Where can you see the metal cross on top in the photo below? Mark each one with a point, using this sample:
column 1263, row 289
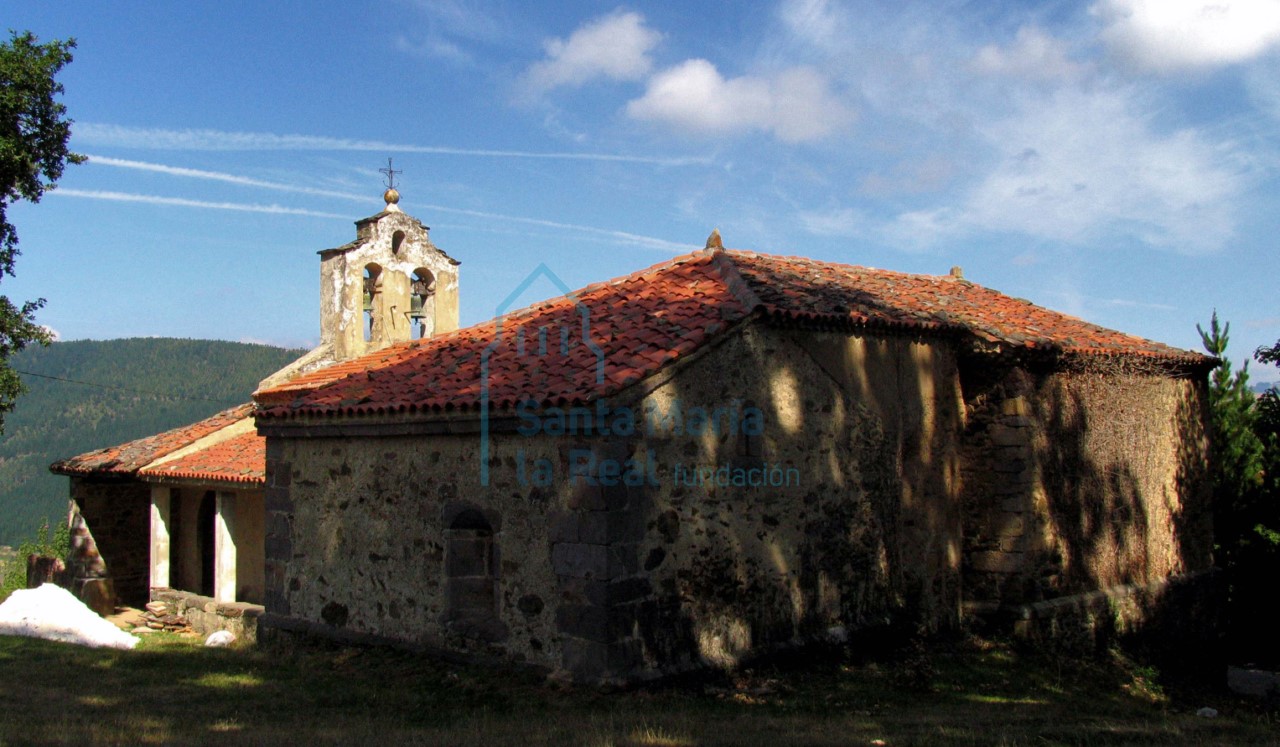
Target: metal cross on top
column 391, row 174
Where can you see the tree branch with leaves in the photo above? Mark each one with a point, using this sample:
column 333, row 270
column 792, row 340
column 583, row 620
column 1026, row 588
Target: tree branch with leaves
column 34, row 131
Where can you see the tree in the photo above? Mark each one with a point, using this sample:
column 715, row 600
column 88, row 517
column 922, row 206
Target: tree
column 33, row 152
column 1246, row 501
column 1235, row 451
column 1267, row 427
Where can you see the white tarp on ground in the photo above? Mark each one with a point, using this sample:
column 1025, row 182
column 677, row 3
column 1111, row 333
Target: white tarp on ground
column 53, row 613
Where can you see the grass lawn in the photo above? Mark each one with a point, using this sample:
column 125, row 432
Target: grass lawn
column 171, row 690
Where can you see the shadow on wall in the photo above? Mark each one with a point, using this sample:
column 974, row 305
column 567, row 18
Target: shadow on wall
column 871, row 536
column 1099, row 483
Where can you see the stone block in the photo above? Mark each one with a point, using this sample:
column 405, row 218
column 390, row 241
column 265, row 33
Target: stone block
column 281, row 475
column 615, row 496
column 1018, row 451
column 278, row 499
column 622, row 621
column 277, row 547
column 1011, row 525
column 585, row 660
column 580, row 560
column 1003, row 435
column 99, row 595
column 584, row 621
column 562, row 526
column 593, row 528
column 585, row 496
column 1014, row 406
column 995, row 562
column 626, row 657
column 1258, row 683
column 1009, row 466
column 626, row 526
column 628, row 590
column 624, row 560
column 1016, row 505
column 276, row 601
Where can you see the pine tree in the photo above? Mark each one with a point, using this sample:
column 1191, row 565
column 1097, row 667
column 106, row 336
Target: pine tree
column 1234, row 450
column 1244, row 514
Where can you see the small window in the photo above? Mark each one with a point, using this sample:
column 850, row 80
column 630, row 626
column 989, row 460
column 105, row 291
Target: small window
column 397, row 239
column 471, row 587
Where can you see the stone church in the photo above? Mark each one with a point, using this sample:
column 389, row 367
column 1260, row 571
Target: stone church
column 725, row 454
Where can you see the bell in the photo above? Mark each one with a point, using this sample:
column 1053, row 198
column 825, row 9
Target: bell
column 370, row 285
column 415, row 307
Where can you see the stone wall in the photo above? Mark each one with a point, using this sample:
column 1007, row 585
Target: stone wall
column 863, row 531
column 775, row 488
column 356, row 539
column 1082, row 480
column 118, row 514
column 621, row 556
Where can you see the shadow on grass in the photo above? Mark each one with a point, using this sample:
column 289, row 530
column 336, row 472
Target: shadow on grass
column 172, row 691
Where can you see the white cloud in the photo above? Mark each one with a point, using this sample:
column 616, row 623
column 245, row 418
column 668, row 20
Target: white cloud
column 1168, row 35
column 840, row 222
column 615, row 46
column 817, row 23
column 219, row 176
column 1082, row 304
column 617, row 237
column 1077, row 163
column 94, row 194
column 146, row 138
column 1033, row 54
column 928, row 174
column 796, row 105
column 466, row 18
column 434, row 45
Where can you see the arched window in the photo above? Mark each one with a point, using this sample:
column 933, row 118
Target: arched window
column 471, row 588
column 397, row 239
column 372, row 286
column 420, row 302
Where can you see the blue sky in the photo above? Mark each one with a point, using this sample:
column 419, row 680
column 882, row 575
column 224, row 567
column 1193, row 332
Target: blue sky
column 1116, row 160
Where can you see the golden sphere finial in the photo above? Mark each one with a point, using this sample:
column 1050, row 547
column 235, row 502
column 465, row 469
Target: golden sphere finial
column 391, row 196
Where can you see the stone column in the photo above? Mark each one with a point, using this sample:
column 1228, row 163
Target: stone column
column 224, row 548
column 160, row 503
column 90, row 581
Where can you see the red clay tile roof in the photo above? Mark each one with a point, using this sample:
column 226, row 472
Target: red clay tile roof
column 805, row 290
column 128, row 458
column 638, row 323
column 239, row 459
column 633, row 325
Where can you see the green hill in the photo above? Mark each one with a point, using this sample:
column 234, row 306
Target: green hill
column 87, row 394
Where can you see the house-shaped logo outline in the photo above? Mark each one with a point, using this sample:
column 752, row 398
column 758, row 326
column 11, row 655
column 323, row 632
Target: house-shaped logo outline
column 499, row 316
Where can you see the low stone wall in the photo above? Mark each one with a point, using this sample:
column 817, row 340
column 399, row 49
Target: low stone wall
column 206, row 615
column 1166, row 616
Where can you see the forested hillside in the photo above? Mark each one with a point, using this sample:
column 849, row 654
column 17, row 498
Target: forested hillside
column 106, row 392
